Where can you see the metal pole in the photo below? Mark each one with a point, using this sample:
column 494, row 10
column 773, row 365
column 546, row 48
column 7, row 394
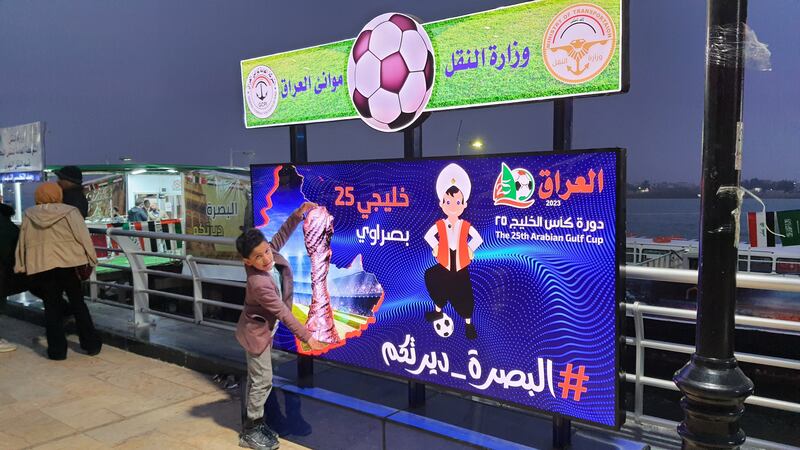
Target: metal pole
column 298, row 147
column 412, row 142
column 562, row 124
column 18, row 202
column 298, row 144
column 458, row 138
column 713, row 385
column 412, row 149
column 562, row 140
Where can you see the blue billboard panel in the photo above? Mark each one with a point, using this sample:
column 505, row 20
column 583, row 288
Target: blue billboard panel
column 496, row 276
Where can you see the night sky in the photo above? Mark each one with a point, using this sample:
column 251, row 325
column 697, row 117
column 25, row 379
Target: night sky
column 160, row 82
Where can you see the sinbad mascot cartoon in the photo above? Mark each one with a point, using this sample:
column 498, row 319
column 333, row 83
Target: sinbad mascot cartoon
column 454, row 242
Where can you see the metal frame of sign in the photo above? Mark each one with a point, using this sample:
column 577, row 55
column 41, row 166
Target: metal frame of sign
column 624, row 75
column 619, row 315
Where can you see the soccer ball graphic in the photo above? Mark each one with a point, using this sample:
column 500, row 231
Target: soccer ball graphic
column 523, row 180
column 443, row 326
column 390, row 72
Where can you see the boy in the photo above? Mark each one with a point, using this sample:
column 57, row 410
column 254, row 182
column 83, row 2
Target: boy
column 449, row 279
column 268, row 299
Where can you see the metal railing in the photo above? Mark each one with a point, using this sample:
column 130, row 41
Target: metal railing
column 123, row 243
column 638, row 311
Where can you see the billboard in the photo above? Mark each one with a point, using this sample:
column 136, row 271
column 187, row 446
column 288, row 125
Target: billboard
column 396, row 67
column 215, row 205
column 22, row 153
column 496, row 276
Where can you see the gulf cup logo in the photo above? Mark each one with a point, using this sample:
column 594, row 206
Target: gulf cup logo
column 579, row 43
column 514, row 187
column 261, row 92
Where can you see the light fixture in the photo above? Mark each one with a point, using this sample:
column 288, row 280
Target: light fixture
column 125, row 159
column 477, row 144
column 138, row 171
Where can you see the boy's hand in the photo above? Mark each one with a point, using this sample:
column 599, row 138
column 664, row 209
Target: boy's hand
column 316, row 345
column 435, row 251
column 471, row 254
column 307, row 206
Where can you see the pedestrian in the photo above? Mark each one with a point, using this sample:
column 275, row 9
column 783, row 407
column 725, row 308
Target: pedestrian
column 137, row 213
column 268, row 298
column 54, row 245
column 10, row 283
column 70, row 178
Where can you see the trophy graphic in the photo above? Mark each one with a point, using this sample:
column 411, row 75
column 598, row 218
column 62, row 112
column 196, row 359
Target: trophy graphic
column 317, row 231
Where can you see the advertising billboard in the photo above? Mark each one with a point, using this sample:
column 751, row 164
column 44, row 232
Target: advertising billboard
column 22, row 153
column 396, row 68
column 496, row 276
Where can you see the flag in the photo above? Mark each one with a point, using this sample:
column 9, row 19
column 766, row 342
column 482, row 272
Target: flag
column 789, row 227
column 757, row 224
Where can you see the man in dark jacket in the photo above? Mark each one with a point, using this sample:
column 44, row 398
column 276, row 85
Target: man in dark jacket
column 70, row 178
column 10, row 283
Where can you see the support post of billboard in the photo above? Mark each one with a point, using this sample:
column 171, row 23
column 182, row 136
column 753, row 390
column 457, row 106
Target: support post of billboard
column 562, row 140
column 562, row 124
column 412, row 143
column 298, row 145
column 714, row 387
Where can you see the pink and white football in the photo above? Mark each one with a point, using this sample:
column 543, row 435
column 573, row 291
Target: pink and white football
column 390, row 72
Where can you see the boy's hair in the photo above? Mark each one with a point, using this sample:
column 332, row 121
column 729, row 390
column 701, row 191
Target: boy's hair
column 249, row 240
column 452, row 191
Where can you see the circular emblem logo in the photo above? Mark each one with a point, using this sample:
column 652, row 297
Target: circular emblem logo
column 579, row 43
column 262, row 92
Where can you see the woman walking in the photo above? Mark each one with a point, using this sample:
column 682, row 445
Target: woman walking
column 54, row 244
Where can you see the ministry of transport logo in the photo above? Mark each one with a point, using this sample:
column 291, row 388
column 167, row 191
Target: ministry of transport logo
column 261, row 92
column 579, row 43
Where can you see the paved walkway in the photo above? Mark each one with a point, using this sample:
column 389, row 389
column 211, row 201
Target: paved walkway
column 114, row 400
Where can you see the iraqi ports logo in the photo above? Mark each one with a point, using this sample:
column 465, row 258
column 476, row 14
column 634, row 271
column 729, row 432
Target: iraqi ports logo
column 514, row 187
column 390, row 72
column 261, row 92
column 579, row 43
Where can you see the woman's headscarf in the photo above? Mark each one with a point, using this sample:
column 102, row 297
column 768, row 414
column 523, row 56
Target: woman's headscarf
column 48, row 193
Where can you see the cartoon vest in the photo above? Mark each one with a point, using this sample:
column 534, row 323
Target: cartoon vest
column 462, row 251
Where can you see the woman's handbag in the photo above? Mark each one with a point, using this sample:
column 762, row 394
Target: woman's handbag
column 84, row 272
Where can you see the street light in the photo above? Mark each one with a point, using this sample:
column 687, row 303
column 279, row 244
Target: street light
column 476, row 144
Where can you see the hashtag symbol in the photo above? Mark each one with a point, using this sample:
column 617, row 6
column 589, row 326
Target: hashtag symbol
column 567, row 384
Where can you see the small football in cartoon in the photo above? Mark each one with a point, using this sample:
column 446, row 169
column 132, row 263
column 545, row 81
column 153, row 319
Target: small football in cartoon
column 443, row 326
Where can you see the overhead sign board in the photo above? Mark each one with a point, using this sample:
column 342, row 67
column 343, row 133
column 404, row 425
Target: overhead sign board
column 397, row 68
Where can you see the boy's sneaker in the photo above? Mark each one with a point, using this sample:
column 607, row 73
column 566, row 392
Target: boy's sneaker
column 471, row 333
column 256, row 439
column 269, row 431
column 6, row 346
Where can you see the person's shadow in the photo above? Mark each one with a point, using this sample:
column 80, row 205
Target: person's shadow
column 291, row 423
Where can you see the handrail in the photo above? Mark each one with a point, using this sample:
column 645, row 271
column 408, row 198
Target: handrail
column 638, row 311
column 785, row 283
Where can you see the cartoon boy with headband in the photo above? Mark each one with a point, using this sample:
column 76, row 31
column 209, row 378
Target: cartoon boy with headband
column 454, row 249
